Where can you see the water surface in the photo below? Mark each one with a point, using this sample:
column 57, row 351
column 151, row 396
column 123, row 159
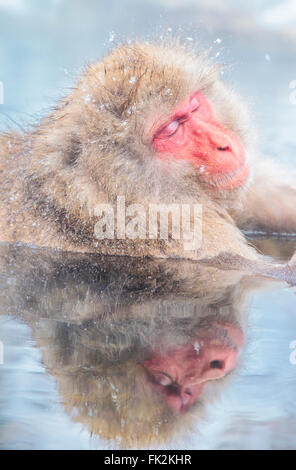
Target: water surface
column 77, row 330
column 80, row 333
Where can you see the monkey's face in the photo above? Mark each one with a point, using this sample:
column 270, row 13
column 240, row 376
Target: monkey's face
column 193, row 133
column 181, row 374
column 155, row 122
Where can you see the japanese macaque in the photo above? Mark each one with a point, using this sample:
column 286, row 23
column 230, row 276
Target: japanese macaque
column 138, row 350
column 152, row 125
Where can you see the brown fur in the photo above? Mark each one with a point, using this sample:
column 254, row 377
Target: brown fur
column 96, row 318
column 97, row 144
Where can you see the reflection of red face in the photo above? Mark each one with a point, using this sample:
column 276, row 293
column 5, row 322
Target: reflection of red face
column 194, row 134
column 181, row 374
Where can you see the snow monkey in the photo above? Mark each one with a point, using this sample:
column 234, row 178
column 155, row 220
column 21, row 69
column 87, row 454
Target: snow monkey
column 137, row 349
column 149, row 126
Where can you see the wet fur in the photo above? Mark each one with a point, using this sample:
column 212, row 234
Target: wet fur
column 97, row 145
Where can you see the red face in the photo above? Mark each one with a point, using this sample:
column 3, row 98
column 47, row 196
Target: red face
column 194, row 134
column 181, row 374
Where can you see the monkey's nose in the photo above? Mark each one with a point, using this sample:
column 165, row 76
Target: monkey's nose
column 218, row 362
column 225, row 148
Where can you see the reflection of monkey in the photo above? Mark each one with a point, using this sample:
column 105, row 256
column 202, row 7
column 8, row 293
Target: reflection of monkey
column 155, row 125
column 108, row 327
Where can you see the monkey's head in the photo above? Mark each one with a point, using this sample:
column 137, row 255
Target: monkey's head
column 138, row 349
column 152, row 121
column 140, row 394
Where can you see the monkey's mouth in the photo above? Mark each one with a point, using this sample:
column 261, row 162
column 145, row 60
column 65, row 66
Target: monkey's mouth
column 234, row 179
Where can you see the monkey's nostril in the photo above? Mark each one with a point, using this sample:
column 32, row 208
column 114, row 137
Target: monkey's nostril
column 216, row 364
column 224, row 149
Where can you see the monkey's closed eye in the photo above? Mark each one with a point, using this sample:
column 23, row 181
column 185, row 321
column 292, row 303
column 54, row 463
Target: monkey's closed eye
column 163, row 379
column 169, row 130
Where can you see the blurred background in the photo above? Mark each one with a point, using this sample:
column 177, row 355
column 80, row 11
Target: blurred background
column 43, row 47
